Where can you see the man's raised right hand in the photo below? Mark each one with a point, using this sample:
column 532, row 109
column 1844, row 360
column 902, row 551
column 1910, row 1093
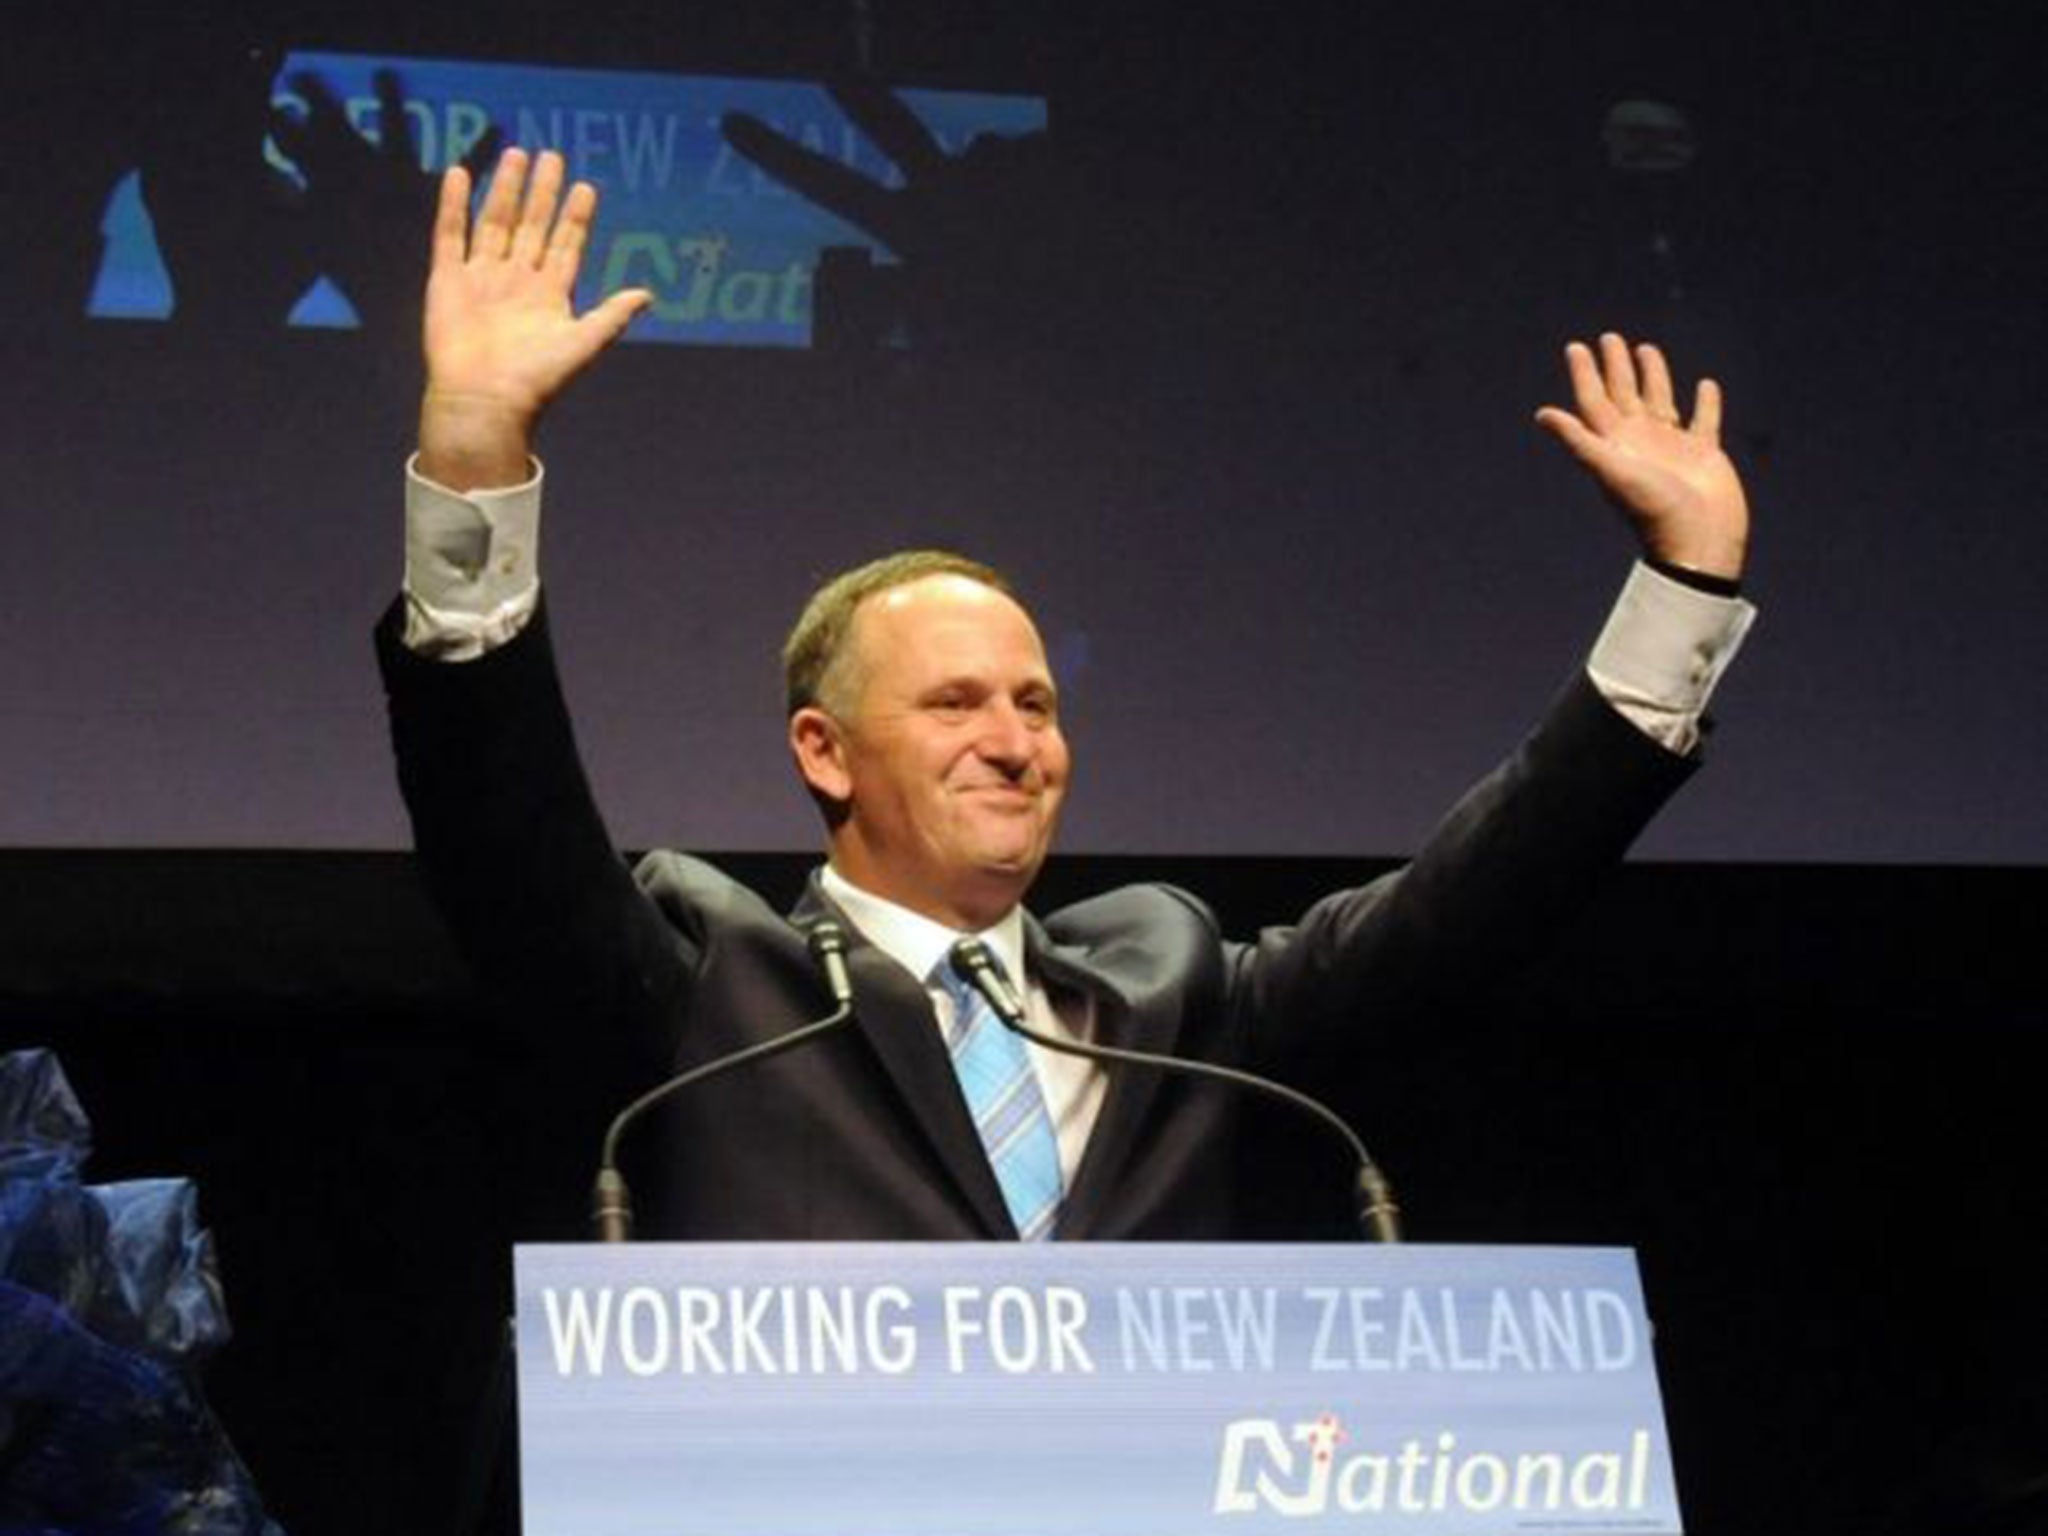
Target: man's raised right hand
column 502, row 337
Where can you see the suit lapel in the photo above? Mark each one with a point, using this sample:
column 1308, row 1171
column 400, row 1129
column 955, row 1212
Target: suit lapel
column 1120, row 1022
column 894, row 1014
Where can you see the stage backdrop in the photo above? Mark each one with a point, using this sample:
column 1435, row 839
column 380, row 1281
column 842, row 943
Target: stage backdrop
column 1222, row 329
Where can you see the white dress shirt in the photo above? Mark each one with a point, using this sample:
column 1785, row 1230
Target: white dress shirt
column 1073, row 1086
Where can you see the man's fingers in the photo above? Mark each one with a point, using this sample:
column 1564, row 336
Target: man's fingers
column 1589, row 390
column 494, row 221
column 617, row 312
column 517, row 219
column 536, row 218
column 1618, row 371
column 571, row 231
column 1658, row 397
column 608, row 321
column 1706, row 411
column 1568, row 429
column 1612, row 467
column 451, row 218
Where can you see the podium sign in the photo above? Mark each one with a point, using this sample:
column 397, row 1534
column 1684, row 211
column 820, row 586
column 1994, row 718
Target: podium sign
column 1155, row 1389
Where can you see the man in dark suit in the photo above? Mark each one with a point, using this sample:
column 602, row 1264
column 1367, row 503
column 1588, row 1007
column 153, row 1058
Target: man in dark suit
column 923, row 719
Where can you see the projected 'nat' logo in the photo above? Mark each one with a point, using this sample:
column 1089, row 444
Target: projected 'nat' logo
column 693, row 282
column 1301, row 1472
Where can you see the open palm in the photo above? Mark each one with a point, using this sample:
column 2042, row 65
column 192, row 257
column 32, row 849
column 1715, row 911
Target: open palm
column 1669, row 477
column 501, row 333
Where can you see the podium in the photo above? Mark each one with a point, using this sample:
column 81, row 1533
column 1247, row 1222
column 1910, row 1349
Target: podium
column 1154, row 1389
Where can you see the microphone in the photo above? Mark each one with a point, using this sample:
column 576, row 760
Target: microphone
column 611, row 1203
column 1378, row 1214
column 828, row 947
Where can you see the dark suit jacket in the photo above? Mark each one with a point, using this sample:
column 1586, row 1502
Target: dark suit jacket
column 865, row 1134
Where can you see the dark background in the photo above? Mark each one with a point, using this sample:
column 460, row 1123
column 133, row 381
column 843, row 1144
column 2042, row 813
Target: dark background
column 1235, row 372
column 1806, row 1095
column 1240, row 390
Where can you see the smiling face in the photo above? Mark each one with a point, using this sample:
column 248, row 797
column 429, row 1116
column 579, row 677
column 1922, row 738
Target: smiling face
column 940, row 757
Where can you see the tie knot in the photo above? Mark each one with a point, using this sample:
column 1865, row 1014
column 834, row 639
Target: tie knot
column 959, row 984
column 966, row 999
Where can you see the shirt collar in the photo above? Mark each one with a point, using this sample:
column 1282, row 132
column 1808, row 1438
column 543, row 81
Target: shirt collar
column 915, row 941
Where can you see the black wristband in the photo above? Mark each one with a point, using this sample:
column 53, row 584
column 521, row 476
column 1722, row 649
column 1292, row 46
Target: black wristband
column 1699, row 581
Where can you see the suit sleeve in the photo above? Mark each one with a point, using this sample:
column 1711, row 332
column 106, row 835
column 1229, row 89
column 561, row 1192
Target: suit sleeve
column 1518, row 857
column 512, row 846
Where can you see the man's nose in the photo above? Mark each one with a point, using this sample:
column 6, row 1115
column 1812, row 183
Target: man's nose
column 1006, row 736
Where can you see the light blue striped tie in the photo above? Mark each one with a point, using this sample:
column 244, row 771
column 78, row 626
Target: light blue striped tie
column 1008, row 1108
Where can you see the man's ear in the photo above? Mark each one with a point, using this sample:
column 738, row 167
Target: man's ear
column 815, row 741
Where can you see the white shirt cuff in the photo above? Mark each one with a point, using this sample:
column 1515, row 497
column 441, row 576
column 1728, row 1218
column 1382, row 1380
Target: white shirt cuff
column 1663, row 650
column 471, row 582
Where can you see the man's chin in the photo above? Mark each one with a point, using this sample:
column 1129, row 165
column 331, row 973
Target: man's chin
column 1020, row 864
column 1014, row 865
